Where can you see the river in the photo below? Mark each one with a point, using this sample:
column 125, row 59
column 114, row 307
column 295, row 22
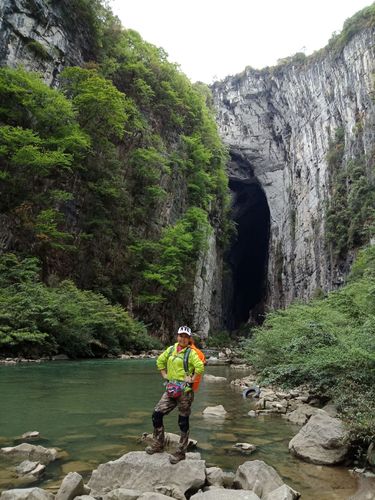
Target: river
column 96, row 411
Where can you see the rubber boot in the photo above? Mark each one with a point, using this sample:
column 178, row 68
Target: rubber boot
column 157, row 445
column 180, row 453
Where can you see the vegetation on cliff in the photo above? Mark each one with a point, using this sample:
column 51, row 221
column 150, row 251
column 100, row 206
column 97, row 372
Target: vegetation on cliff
column 114, row 180
column 329, row 344
column 350, row 210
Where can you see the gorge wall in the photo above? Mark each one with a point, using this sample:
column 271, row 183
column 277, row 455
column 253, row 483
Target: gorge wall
column 279, row 124
column 163, row 186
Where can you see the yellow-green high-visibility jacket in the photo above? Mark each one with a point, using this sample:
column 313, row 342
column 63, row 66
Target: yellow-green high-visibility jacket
column 174, row 363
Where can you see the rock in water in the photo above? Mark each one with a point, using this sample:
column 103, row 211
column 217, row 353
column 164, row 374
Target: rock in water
column 140, row 471
column 320, row 441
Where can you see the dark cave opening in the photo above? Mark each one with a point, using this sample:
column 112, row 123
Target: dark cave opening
column 248, row 255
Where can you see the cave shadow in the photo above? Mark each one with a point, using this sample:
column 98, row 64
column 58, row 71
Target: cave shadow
column 247, row 257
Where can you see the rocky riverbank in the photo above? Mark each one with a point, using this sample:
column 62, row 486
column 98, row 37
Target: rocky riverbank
column 137, row 475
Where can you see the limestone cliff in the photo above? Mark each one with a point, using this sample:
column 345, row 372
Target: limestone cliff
column 43, row 37
column 279, row 124
column 48, row 35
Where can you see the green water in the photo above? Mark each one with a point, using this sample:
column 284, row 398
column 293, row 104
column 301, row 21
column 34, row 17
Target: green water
column 97, row 410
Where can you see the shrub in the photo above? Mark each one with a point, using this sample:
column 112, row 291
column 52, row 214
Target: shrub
column 329, row 344
column 37, row 320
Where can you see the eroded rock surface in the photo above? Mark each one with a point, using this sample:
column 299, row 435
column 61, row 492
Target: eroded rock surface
column 140, row 471
column 321, row 440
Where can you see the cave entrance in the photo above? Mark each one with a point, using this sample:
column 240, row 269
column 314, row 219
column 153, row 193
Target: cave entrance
column 248, row 254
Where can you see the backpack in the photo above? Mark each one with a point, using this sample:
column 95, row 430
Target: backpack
column 201, row 356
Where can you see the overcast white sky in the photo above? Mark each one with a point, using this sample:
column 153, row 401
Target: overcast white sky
column 211, row 39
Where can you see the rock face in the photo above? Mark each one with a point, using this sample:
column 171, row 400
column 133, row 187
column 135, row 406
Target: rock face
column 143, row 472
column 279, row 123
column 48, row 35
column 42, row 36
column 321, row 440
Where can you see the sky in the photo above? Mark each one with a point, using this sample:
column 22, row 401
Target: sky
column 211, row 39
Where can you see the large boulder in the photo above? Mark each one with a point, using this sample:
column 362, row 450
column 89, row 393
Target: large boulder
column 27, row 451
column 321, row 440
column 26, row 494
column 225, row 495
column 140, row 471
column 257, row 476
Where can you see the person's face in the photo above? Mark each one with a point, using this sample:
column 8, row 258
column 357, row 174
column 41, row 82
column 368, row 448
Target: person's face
column 183, row 339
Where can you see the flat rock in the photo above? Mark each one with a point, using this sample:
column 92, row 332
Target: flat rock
column 26, row 494
column 218, row 494
column 245, row 446
column 30, row 435
column 217, row 362
column 171, row 440
column 138, row 470
column 122, row 494
column 215, row 411
column 31, row 452
column 150, row 495
column 214, row 378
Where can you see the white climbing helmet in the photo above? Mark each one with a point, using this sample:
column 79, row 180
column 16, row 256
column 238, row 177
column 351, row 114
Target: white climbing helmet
column 184, row 329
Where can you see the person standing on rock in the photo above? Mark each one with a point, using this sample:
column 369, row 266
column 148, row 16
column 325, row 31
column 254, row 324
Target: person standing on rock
column 180, row 366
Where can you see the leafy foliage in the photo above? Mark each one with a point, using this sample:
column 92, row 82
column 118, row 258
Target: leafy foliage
column 350, row 212
column 365, row 18
column 36, row 319
column 328, row 343
column 89, row 171
column 174, row 254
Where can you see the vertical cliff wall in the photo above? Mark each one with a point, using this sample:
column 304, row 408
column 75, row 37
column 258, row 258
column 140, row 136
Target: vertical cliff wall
column 165, row 175
column 280, row 124
column 43, row 36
